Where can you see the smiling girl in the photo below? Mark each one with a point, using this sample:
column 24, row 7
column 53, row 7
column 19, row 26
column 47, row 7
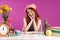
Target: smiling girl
column 32, row 21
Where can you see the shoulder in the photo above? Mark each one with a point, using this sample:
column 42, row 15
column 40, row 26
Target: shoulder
column 24, row 19
column 39, row 19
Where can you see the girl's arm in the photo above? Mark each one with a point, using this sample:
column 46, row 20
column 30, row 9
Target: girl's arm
column 37, row 26
column 26, row 27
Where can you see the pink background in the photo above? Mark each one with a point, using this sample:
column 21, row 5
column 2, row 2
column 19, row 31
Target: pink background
column 49, row 9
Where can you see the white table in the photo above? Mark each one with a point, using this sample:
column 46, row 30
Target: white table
column 29, row 36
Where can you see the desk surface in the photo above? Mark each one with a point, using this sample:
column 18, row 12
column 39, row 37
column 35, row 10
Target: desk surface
column 30, row 37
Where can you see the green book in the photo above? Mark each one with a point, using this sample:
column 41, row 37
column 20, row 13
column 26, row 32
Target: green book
column 56, row 31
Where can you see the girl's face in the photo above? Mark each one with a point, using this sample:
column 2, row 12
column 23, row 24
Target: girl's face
column 31, row 13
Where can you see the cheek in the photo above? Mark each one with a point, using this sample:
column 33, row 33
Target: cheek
column 33, row 14
column 29, row 15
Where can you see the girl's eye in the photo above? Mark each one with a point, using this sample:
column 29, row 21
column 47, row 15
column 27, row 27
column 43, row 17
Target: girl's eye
column 31, row 11
column 27, row 12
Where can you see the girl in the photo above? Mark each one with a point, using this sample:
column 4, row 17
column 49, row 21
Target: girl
column 32, row 21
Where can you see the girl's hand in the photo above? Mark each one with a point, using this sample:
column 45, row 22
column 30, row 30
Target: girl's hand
column 33, row 19
column 33, row 16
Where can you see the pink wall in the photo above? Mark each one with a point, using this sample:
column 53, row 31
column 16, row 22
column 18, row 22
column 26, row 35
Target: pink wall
column 49, row 9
